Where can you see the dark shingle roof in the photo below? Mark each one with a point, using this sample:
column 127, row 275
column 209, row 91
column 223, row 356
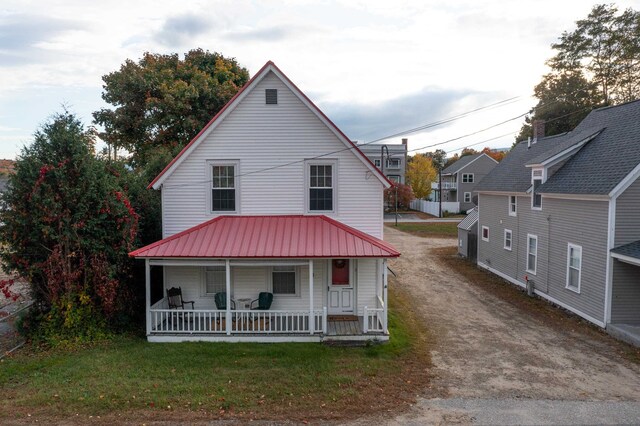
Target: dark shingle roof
column 511, row 175
column 602, row 163
column 631, row 250
column 460, row 164
column 595, row 169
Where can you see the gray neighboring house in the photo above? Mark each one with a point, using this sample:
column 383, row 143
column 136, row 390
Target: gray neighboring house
column 468, row 235
column 395, row 166
column 564, row 213
column 460, row 179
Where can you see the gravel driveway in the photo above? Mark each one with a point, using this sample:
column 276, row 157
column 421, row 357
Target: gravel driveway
column 494, row 364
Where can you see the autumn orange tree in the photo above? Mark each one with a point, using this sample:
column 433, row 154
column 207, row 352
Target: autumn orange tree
column 421, row 172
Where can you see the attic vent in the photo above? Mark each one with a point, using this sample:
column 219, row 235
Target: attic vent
column 537, row 173
column 271, row 96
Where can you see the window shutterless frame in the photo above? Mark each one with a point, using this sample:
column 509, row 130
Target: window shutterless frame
column 508, row 239
column 467, row 178
column 223, row 187
column 532, row 253
column 574, row 267
column 513, row 205
column 321, row 186
column 485, row 233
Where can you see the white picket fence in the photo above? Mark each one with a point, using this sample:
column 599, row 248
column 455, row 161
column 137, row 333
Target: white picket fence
column 433, row 207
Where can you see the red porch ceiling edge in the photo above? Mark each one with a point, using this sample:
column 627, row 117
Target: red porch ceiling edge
column 248, row 237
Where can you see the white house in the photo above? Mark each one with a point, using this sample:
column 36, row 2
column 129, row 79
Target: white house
column 270, row 201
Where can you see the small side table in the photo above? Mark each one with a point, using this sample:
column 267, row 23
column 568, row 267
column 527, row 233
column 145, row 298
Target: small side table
column 244, row 303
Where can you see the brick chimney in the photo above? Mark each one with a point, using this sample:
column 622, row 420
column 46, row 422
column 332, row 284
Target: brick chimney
column 538, row 129
column 404, row 141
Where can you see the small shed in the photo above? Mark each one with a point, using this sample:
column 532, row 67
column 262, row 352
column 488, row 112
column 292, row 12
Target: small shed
column 468, row 235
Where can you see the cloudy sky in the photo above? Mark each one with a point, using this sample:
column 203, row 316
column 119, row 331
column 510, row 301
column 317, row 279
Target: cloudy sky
column 376, row 68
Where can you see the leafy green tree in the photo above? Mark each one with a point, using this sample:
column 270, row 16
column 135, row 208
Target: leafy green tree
column 162, row 101
column 596, row 64
column 67, row 226
column 439, row 158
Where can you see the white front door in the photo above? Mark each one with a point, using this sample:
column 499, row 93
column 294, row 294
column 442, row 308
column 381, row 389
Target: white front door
column 341, row 294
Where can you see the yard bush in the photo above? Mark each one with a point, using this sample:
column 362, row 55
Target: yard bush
column 67, row 225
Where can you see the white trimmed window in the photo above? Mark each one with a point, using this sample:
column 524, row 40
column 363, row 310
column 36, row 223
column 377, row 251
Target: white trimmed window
column 508, row 239
column 532, row 253
column 223, row 196
column 394, row 178
column 536, row 198
column 467, row 197
column 321, row 187
column 513, row 205
column 485, row 233
column 284, row 281
column 215, row 280
column 467, row 178
column 393, row 163
column 574, row 267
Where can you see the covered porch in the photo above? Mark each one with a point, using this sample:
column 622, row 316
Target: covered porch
column 340, row 294
column 625, row 297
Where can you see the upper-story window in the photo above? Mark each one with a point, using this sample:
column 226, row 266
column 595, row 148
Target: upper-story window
column 394, row 178
column 537, row 176
column 393, row 163
column 377, row 162
column 321, row 187
column 467, row 178
column 513, row 205
column 224, row 188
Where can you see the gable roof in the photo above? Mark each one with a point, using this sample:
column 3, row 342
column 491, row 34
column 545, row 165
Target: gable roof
column 231, row 105
column 471, row 219
column 284, row 236
column 607, row 149
column 463, row 162
column 604, row 162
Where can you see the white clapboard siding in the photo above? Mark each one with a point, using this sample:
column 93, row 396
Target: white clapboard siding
column 261, row 136
column 248, row 282
column 366, row 283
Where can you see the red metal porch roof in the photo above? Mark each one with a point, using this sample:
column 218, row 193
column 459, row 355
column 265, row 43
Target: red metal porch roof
column 269, row 237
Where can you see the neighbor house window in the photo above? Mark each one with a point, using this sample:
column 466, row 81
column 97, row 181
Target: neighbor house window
column 215, row 280
column 508, row 239
column 513, row 205
column 467, row 197
column 532, row 253
column 485, row 233
column 574, row 267
column 377, row 163
column 223, row 187
column 321, row 187
column 283, row 280
column 394, row 178
column 467, row 178
column 393, row 163
column 536, row 198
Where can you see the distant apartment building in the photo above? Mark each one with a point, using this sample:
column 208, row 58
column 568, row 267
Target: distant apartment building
column 395, row 162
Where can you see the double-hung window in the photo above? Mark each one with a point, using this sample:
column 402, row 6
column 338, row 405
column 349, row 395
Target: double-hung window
column 536, row 198
column 485, row 233
column 321, row 187
column 513, row 205
column 467, row 197
column 283, row 280
column 508, row 239
column 532, row 253
column 574, row 267
column 223, row 187
column 467, row 178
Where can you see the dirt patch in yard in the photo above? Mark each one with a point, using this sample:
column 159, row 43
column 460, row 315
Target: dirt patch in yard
column 487, row 343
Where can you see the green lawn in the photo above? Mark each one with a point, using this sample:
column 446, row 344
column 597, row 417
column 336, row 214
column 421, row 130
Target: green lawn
column 271, row 381
column 428, row 229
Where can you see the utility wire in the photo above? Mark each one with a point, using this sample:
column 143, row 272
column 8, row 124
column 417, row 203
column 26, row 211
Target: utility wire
column 437, row 123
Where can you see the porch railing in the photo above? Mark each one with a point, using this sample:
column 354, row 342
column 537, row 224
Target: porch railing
column 374, row 319
column 174, row 321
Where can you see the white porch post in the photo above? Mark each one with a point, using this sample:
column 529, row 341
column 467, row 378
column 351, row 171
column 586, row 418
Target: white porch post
column 312, row 319
column 147, row 285
column 384, row 292
column 227, row 321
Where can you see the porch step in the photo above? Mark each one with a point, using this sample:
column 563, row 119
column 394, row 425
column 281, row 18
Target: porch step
column 342, row 318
